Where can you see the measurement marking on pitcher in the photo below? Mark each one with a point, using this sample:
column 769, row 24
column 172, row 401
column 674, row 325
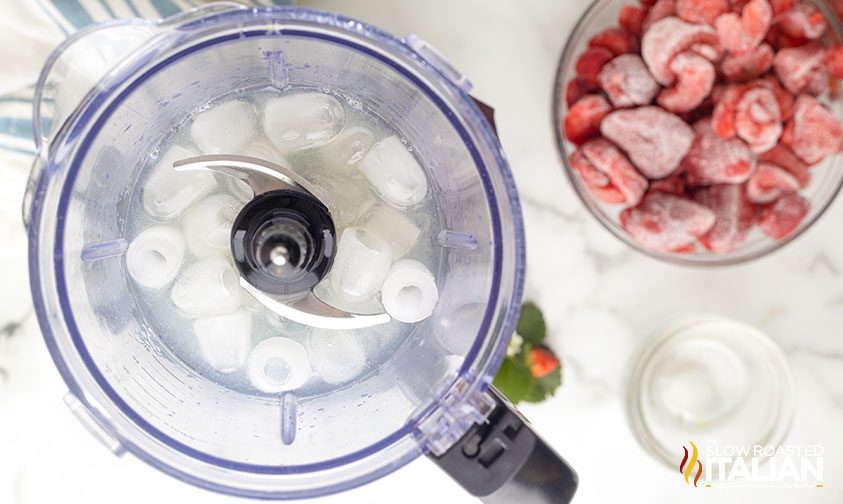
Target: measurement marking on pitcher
column 104, row 250
column 289, row 407
column 457, row 240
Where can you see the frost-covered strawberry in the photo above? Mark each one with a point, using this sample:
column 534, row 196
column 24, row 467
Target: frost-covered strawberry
column 667, row 223
column 627, row 81
column 803, row 22
column 735, row 217
column 701, row 11
column 785, row 159
column 802, row 69
column 769, row 183
column 655, row 141
column 783, row 217
column 716, row 160
column 748, row 66
column 670, row 37
column 618, row 171
column 744, row 32
column 695, row 78
column 813, row 132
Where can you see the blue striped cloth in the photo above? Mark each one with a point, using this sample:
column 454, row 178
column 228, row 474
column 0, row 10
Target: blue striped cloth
column 49, row 21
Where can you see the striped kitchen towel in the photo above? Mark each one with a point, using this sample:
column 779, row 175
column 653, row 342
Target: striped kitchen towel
column 30, row 30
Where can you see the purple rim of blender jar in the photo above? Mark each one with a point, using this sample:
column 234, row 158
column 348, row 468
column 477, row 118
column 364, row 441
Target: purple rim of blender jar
column 479, row 378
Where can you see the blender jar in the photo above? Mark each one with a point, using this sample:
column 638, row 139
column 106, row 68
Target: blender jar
column 111, row 95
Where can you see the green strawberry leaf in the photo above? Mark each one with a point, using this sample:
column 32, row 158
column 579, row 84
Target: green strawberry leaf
column 531, row 324
column 515, row 381
column 551, row 381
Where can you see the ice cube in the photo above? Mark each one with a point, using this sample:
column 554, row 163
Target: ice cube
column 325, row 292
column 347, row 195
column 252, row 304
column 278, row 364
column 237, row 188
column 207, row 225
column 208, row 287
column 409, row 292
column 394, row 172
column 225, row 128
column 361, row 264
column 401, row 232
column 168, row 192
column 262, row 148
column 225, row 340
column 336, row 356
column 301, row 121
column 155, row 256
column 349, row 147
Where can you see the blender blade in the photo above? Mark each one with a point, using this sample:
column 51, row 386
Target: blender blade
column 264, row 177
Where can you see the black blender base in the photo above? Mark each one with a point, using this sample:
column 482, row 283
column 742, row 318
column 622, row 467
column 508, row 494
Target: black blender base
column 504, row 461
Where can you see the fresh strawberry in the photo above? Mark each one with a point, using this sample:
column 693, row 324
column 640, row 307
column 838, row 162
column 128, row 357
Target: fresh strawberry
column 542, row 362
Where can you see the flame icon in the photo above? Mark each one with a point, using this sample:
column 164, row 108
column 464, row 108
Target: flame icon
column 686, row 468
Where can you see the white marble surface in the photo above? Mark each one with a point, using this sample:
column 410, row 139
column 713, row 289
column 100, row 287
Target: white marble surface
column 601, row 300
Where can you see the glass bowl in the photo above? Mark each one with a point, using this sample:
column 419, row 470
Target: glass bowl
column 827, row 176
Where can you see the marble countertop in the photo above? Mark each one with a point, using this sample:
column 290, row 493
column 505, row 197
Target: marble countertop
column 601, row 299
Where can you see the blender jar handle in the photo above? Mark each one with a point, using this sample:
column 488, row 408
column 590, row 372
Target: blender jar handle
column 503, row 461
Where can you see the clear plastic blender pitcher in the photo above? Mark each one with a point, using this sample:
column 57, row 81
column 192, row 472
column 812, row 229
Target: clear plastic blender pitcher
column 108, row 99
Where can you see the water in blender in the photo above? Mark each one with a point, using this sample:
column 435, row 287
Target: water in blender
column 181, row 263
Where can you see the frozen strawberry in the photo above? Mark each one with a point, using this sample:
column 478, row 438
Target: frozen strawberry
column 695, row 77
column 590, row 63
column 784, row 158
column 802, row 69
column 783, row 97
column 834, row 61
column 708, row 52
column 674, row 184
column 735, row 216
column 660, row 10
column 769, row 183
column 670, row 37
column 583, row 120
column 588, row 172
column 781, row 218
column 687, row 249
column 813, row 132
column 610, row 161
column 576, row 89
column 701, row 11
column 715, row 160
column 597, row 182
column 744, row 32
column 632, row 18
column 803, row 22
column 723, row 116
column 667, row 223
column 758, row 119
column 627, row 81
column 655, row 140
column 781, row 6
column 617, row 40
column 749, row 65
